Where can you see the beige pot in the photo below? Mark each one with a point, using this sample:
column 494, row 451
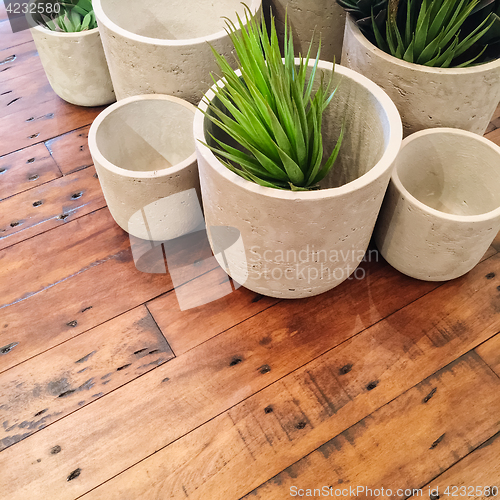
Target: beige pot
column 298, row 244
column 75, row 66
column 311, row 20
column 427, row 97
column 157, row 47
column 442, row 208
column 143, row 151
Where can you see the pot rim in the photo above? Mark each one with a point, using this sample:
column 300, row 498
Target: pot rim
column 105, row 20
column 362, row 40
column 492, row 214
column 385, row 162
column 73, row 34
column 148, row 174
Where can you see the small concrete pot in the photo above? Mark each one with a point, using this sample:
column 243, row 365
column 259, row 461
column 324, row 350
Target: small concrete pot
column 426, row 97
column 311, row 20
column 75, row 66
column 157, row 47
column 442, row 208
column 298, row 244
column 143, row 151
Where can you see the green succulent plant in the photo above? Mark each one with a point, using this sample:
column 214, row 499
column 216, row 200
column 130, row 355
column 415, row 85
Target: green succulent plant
column 441, row 33
column 74, row 16
column 271, row 111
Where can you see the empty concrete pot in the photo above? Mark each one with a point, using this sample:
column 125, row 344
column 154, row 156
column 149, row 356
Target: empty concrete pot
column 442, row 208
column 75, row 66
column 143, row 151
column 299, row 244
column 311, row 20
column 426, row 97
column 157, row 47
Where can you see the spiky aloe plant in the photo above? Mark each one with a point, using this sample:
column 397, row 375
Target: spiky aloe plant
column 74, row 16
column 366, row 14
column 271, row 111
column 431, row 30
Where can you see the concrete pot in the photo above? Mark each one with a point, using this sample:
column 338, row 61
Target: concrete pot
column 323, row 18
column 298, row 244
column 143, row 151
column 157, row 47
column 442, row 208
column 427, row 97
column 75, row 66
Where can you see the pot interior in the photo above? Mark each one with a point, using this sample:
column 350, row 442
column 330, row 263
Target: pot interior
column 171, row 20
column 147, row 135
column 367, row 130
column 450, row 172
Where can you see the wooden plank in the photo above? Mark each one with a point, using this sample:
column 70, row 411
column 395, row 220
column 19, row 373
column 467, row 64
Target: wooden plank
column 42, row 121
column 108, row 287
column 18, row 61
column 477, row 476
column 22, row 92
column 42, row 391
column 494, row 136
column 264, row 434
column 490, row 353
column 375, row 453
column 71, row 151
column 59, row 254
column 209, row 319
column 48, row 206
column 26, row 169
column 198, row 385
column 9, row 39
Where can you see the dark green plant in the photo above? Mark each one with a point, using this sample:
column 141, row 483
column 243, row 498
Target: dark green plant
column 271, row 111
column 365, row 13
column 441, row 33
column 74, row 16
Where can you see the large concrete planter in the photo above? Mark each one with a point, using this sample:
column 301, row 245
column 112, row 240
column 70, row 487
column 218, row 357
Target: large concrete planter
column 299, row 244
column 324, row 19
column 442, row 208
column 143, row 151
column 75, row 66
column 427, row 97
column 156, row 47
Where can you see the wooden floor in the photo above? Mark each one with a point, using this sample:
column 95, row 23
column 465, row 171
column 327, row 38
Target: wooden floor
column 109, row 391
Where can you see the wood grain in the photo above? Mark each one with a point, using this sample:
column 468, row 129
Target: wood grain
column 471, row 475
column 376, row 454
column 10, row 39
column 34, row 395
column 209, row 319
column 495, row 121
column 490, row 353
column 26, row 169
column 18, row 61
column 266, row 433
column 49, row 206
column 494, row 136
column 41, row 121
column 71, row 151
column 200, row 384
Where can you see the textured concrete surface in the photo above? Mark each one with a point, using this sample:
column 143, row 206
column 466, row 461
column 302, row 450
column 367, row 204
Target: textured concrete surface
column 143, row 151
column 427, row 97
column 299, row 244
column 442, row 208
column 75, row 66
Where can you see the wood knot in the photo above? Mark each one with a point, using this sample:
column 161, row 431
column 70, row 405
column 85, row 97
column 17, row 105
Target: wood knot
column 265, row 369
column 235, row 361
column 301, row 425
column 268, row 409
column 74, row 474
column 490, row 276
column 345, row 369
column 372, row 385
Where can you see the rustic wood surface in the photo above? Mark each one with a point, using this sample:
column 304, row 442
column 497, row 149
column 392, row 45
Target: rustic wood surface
column 116, row 386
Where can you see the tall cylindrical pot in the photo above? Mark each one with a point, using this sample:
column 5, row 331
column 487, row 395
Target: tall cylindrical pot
column 311, row 20
column 442, row 208
column 156, row 47
column 298, row 244
column 75, row 66
column 427, row 97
